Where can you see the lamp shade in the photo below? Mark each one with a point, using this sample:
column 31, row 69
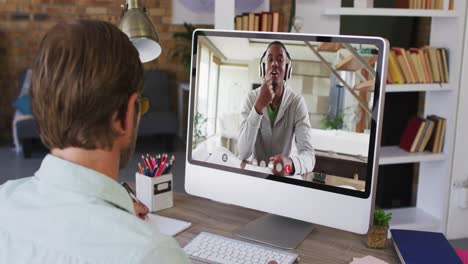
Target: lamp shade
column 141, row 32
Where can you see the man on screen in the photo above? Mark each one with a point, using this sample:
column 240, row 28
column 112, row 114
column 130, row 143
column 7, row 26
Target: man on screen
column 272, row 115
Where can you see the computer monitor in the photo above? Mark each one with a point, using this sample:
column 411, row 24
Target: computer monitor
column 287, row 124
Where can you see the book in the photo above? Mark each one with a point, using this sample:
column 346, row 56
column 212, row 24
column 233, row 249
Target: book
column 440, row 65
column 426, row 135
column 445, row 64
column 276, row 23
column 251, row 18
column 390, row 78
column 434, row 140
column 410, row 133
column 395, row 70
column 423, row 247
column 238, row 22
column 412, row 65
column 418, row 136
column 429, row 4
column 245, row 21
column 257, row 22
column 265, row 21
column 418, row 65
column 427, row 66
column 432, row 54
column 442, row 135
column 400, row 54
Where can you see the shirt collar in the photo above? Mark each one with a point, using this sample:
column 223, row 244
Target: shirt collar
column 72, row 177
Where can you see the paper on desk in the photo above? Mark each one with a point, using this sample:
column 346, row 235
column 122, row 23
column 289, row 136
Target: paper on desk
column 367, row 260
column 166, row 225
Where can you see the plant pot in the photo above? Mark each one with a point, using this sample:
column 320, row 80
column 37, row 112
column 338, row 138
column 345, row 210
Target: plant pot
column 377, row 237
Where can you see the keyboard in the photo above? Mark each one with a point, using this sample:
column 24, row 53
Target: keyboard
column 210, row 248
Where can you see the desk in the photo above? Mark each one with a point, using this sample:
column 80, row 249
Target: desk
column 323, row 245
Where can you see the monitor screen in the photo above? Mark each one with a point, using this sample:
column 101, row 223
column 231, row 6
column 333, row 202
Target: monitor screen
column 298, row 109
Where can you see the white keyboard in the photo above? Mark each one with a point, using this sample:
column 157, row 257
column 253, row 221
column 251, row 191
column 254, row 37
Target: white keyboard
column 212, row 248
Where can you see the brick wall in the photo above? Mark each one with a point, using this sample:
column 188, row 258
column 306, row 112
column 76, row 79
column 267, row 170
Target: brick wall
column 24, row 22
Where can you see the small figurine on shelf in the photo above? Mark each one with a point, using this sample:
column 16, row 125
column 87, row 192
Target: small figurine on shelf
column 377, row 236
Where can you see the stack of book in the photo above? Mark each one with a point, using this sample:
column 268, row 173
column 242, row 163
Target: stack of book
column 424, row 134
column 423, row 4
column 265, row 21
column 424, row 65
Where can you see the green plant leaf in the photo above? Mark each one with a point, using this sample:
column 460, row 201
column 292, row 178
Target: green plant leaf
column 183, row 50
column 380, row 218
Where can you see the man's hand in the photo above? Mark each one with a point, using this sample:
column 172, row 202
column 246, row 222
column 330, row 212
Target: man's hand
column 140, row 210
column 265, row 96
column 283, row 161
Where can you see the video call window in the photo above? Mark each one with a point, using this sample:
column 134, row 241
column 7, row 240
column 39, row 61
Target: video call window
column 294, row 109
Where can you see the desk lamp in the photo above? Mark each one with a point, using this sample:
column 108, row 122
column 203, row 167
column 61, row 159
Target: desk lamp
column 140, row 30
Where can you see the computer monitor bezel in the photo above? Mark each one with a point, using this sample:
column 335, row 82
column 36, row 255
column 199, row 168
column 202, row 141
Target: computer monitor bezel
column 379, row 93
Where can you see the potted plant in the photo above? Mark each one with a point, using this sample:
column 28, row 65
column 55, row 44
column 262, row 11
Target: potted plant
column 183, row 50
column 199, row 133
column 333, row 122
column 377, row 236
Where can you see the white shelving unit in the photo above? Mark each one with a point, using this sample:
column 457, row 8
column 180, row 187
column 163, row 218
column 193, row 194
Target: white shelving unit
column 396, row 155
column 418, row 87
column 447, row 30
column 415, row 219
column 349, row 11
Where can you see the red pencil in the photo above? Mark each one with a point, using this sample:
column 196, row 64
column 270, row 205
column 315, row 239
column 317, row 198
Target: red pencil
column 161, row 169
column 146, row 162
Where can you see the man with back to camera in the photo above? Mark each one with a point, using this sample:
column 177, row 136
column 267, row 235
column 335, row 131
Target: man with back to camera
column 87, row 81
column 272, row 115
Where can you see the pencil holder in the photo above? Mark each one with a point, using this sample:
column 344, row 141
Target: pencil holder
column 154, row 192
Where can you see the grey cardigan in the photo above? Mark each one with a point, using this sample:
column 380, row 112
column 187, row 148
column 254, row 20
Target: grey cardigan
column 259, row 140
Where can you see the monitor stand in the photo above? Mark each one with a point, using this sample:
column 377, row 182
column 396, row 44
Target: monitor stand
column 275, row 230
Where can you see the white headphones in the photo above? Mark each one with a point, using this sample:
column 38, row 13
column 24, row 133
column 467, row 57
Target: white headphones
column 288, row 69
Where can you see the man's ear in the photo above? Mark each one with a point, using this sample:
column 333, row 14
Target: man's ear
column 127, row 122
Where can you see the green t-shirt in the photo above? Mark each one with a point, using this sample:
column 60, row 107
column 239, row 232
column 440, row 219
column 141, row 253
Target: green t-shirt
column 272, row 113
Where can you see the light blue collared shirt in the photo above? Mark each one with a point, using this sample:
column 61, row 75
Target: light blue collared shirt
column 67, row 213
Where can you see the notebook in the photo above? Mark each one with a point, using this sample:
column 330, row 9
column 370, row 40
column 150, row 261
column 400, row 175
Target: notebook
column 367, row 260
column 166, row 225
column 414, row 247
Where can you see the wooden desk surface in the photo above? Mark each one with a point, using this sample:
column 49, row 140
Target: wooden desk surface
column 323, row 245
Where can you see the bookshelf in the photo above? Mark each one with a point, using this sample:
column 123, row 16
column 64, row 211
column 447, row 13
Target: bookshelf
column 414, row 219
column 395, row 155
column 349, row 11
column 418, row 87
column 434, row 195
column 435, row 169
